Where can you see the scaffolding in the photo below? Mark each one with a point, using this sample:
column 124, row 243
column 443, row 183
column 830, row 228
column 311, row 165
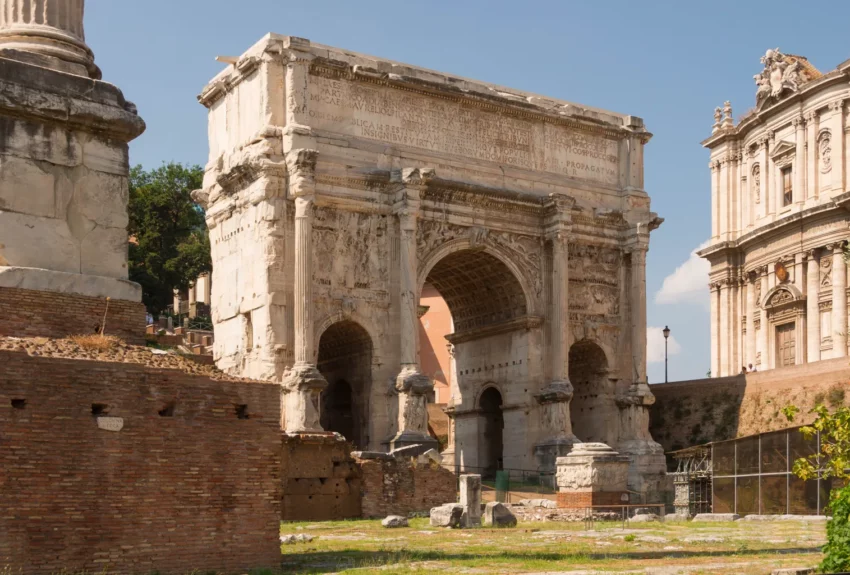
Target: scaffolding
column 692, row 480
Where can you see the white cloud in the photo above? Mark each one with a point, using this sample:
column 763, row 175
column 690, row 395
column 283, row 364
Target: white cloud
column 688, row 284
column 655, row 345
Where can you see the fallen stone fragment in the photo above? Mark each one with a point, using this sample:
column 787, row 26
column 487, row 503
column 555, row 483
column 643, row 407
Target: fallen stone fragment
column 300, row 538
column 643, row 518
column 545, row 503
column 498, row 515
column 393, row 521
column 448, row 515
column 716, row 517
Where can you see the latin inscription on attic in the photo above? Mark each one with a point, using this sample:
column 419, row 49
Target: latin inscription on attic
column 409, row 119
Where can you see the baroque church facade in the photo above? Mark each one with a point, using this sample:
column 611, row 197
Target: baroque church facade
column 779, row 204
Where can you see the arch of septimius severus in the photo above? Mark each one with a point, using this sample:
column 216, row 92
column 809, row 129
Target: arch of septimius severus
column 340, row 184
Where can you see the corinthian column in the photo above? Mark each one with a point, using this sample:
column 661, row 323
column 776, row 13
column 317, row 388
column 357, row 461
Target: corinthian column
column 47, row 33
column 764, row 324
column 813, row 336
column 839, row 301
column 751, row 322
column 638, row 310
column 412, row 386
column 302, row 383
column 556, row 426
column 799, row 160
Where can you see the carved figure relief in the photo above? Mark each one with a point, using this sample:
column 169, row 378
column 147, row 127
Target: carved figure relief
column 826, row 272
column 781, row 297
column 825, row 151
column 758, row 290
column 350, row 249
column 781, row 73
column 757, row 183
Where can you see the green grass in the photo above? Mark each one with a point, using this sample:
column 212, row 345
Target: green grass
column 364, row 547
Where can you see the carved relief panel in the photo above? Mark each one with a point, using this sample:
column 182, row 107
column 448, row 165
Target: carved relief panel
column 594, row 281
column 350, row 249
column 826, row 272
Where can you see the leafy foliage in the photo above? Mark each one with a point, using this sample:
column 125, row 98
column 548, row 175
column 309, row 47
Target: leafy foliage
column 832, row 461
column 169, row 244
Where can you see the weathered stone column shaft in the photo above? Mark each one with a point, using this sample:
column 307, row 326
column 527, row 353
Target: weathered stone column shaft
column 799, row 160
column 839, row 302
column 303, row 284
column 52, row 28
column 408, row 290
column 764, row 325
column 559, row 320
column 638, row 313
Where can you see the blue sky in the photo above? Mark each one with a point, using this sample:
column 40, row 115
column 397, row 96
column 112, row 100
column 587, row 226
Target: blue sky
column 669, row 62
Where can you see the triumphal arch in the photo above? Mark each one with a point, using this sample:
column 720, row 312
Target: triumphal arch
column 340, row 184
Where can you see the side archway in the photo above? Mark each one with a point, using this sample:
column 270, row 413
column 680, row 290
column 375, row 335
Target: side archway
column 345, row 360
column 593, row 412
column 491, row 426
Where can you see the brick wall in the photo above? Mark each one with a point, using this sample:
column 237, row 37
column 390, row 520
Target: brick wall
column 688, row 413
column 30, row 313
column 581, row 499
column 320, row 480
column 188, row 484
column 395, row 486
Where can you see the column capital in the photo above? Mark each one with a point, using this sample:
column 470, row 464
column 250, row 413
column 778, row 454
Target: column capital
column 47, row 33
column 835, row 247
column 810, row 116
column 798, row 122
column 555, row 392
column 811, row 255
column 836, row 105
column 301, row 168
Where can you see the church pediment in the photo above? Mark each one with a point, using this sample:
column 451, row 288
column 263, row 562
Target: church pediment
column 782, row 149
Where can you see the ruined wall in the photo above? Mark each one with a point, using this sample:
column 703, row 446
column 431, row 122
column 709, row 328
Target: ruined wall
column 398, row 486
column 693, row 412
column 191, row 481
column 31, row 313
column 320, row 480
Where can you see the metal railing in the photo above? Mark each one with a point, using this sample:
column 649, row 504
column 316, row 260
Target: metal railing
column 511, row 485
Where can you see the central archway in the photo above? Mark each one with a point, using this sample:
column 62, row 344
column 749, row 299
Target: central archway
column 491, row 425
column 488, row 363
column 345, row 360
column 592, row 410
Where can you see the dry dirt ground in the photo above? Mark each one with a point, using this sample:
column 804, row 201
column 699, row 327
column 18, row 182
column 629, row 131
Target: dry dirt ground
column 671, row 548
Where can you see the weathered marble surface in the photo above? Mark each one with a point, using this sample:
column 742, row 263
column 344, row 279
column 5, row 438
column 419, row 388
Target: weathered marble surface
column 527, row 214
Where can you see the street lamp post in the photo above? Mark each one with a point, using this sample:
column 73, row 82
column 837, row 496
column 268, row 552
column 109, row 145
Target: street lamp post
column 666, row 335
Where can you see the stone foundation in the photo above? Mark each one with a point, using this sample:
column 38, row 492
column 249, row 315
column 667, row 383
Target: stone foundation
column 320, row 480
column 398, row 486
column 30, row 313
column 592, row 474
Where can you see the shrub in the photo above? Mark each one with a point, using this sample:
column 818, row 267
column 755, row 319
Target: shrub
column 837, row 548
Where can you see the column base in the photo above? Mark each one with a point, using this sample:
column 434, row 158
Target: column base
column 300, row 387
column 411, row 438
column 648, row 470
column 547, row 452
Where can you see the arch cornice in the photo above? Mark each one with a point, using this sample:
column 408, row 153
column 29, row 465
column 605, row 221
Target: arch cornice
column 432, row 258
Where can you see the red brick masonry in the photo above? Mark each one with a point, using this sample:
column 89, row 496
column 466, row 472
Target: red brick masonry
column 581, row 499
column 191, row 482
column 29, row 313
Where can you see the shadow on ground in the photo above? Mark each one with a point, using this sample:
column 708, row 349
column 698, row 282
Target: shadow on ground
column 330, row 561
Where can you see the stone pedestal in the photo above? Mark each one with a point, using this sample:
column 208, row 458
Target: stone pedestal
column 301, row 387
column 63, row 172
column 555, row 410
column 412, row 388
column 648, row 470
column 592, row 474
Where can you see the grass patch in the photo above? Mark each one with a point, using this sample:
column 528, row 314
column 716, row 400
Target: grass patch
column 96, row 341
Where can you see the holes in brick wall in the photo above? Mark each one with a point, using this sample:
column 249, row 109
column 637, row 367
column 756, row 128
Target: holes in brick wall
column 242, row 411
column 99, row 409
column 167, row 411
column 19, row 403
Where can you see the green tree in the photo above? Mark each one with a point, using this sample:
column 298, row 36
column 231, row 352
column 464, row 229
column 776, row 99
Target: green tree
column 833, row 460
column 169, row 244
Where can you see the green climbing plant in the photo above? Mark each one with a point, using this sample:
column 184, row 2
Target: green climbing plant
column 832, row 460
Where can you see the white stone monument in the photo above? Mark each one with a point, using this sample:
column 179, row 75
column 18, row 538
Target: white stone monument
column 63, row 173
